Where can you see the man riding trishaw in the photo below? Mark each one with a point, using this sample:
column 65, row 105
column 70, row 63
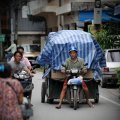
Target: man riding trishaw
column 74, row 62
column 57, row 52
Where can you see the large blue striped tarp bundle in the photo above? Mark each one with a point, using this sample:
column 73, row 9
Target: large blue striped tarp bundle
column 55, row 52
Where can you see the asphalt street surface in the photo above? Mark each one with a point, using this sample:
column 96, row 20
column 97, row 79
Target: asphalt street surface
column 108, row 107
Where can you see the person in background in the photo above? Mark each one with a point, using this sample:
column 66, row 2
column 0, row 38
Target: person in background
column 17, row 65
column 11, row 95
column 12, row 48
column 74, row 62
column 24, row 59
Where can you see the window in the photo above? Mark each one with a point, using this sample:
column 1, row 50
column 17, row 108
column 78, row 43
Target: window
column 34, row 48
column 113, row 56
column 31, row 48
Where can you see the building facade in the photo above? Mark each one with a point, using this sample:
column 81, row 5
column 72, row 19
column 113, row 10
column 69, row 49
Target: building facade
column 65, row 14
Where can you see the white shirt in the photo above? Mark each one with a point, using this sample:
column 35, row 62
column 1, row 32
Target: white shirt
column 13, row 48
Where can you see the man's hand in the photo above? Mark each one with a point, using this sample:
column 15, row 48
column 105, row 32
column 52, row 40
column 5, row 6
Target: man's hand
column 29, row 72
column 83, row 71
column 63, row 69
column 31, row 75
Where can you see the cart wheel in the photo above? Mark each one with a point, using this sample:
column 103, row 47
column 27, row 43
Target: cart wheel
column 43, row 92
column 71, row 105
column 26, row 118
column 103, row 85
column 96, row 99
column 50, row 101
column 75, row 99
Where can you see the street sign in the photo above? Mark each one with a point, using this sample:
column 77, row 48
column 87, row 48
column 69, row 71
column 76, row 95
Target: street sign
column 2, row 37
column 97, row 15
column 97, row 12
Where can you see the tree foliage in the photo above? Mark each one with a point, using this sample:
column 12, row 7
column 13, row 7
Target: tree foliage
column 109, row 36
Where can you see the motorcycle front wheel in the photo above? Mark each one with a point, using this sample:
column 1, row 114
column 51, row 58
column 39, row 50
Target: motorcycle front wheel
column 75, row 98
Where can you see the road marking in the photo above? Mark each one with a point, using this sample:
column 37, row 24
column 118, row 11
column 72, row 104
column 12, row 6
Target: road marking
column 110, row 100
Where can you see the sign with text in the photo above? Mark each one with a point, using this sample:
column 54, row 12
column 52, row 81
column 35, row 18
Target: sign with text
column 97, row 15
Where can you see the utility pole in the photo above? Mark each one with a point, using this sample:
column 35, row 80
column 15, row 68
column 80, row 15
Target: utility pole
column 16, row 23
column 0, row 42
column 60, row 17
column 12, row 36
column 2, row 39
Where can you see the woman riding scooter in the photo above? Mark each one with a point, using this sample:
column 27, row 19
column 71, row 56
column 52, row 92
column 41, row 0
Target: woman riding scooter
column 70, row 63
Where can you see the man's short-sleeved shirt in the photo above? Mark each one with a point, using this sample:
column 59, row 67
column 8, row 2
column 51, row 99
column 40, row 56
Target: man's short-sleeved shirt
column 16, row 67
column 24, row 60
column 70, row 64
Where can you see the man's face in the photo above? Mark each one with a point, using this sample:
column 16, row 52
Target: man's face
column 73, row 54
column 18, row 57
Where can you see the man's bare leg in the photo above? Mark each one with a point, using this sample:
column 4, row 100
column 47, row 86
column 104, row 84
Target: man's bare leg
column 87, row 98
column 85, row 88
column 62, row 95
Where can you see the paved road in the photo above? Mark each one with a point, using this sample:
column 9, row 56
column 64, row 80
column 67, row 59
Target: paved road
column 107, row 109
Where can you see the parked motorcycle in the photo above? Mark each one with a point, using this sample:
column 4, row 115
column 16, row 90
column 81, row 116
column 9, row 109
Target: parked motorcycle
column 28, row 86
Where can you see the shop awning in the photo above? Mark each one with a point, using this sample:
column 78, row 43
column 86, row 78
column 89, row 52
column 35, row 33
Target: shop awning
column 106, row 16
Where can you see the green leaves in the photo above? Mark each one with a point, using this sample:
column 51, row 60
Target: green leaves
column 109, row 36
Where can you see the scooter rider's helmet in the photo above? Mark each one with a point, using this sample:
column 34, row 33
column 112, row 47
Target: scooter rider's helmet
column 72, row 48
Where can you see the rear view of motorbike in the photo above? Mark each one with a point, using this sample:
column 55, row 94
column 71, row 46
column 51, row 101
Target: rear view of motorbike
column 28, row 86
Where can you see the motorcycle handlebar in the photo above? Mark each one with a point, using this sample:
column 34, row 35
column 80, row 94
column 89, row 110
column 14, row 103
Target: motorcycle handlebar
column 73, row 71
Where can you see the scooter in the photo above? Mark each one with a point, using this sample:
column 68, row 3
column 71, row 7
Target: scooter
column 28, row 86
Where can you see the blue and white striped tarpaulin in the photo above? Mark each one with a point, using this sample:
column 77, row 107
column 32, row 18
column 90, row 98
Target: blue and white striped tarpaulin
column 56, row 50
